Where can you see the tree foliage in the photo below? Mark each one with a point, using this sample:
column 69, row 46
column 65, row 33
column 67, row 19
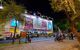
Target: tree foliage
column 59, row 5
column 11, row 10
column 71, row 7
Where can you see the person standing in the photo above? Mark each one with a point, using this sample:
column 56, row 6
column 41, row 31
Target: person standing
column 72, row 36
column 29, row 38
column 56, row 36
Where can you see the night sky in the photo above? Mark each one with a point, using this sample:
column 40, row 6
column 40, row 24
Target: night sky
column 42, row 6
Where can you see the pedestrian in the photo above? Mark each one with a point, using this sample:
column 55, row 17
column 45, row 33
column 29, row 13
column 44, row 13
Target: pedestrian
column 72, row 36
column 26, row 38
column 17, row 36
column 60, row 38
column 56, row 36
column 29, row 39
column 64, row 36
column 69, row 36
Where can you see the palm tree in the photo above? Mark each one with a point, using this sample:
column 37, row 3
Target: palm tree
column 12, row 10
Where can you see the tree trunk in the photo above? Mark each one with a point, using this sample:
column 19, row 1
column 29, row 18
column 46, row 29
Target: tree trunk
column 14, row 33
column 73, row 27
column 74, row 30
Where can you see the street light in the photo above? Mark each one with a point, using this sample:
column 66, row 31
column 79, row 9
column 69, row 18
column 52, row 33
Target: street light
column 1, row 7
column 34, row 14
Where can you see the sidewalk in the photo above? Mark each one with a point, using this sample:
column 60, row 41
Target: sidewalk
column 44, row 45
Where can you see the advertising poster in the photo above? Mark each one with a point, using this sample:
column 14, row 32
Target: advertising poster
column 44, row 24
column 37, row 23
column 29, row 23
column 13, row 23
column 49, row 25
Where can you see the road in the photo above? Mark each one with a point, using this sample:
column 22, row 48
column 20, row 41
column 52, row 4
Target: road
column 33, row 39
column 44, row 45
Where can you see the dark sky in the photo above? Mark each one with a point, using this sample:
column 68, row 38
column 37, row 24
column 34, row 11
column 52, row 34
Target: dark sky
column 42, row 6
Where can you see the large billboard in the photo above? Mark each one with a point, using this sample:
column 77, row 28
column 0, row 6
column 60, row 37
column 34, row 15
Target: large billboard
column 40, row 23
column 36, row 22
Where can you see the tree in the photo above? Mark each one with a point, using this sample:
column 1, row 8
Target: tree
column 71, row 9
column 12, row 10
column 61, row 20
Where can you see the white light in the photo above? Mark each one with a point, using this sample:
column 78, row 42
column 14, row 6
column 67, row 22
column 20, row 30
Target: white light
column 34, row 14
column 17, row 22
column 1, row 7
column 29, row 16
column 26, row 12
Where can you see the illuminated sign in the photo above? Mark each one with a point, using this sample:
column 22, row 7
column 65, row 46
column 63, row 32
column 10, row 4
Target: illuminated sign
column 49, row 26
column 13, row 23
